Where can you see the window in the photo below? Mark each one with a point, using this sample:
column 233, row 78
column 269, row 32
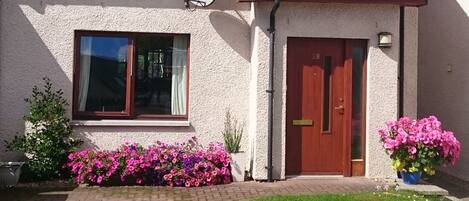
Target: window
column 357, row 102
column 130, row 75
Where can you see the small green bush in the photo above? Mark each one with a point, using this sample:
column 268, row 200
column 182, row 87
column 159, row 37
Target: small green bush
column 232, row 133
column 48, row 141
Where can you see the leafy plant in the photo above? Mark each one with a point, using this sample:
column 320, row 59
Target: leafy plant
column 419, row 145
column 48, row 141
column 233, row 133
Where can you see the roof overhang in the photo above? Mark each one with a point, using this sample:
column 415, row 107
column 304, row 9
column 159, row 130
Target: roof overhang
column 395, row 2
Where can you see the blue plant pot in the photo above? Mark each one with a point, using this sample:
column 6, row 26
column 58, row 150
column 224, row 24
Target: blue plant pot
column 411, row 178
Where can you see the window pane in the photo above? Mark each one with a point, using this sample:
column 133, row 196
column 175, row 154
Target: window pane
column 357, row 114
column 326, row 93
column 160, row 75
column 103, row 67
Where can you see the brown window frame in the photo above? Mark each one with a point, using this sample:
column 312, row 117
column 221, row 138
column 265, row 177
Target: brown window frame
column 128, row 113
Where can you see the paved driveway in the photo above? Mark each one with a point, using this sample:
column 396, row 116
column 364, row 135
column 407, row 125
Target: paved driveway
column 235, row 191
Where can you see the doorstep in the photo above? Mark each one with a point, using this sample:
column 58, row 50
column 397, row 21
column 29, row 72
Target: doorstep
column 423, row 189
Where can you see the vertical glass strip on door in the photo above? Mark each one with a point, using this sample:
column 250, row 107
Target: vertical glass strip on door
column 326, row 94
column 357, row 100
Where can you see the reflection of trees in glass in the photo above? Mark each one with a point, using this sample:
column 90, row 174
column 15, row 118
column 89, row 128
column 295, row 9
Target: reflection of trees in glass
column 103, row 73
column 158, row 84
column 153, row 75
column 107, row 85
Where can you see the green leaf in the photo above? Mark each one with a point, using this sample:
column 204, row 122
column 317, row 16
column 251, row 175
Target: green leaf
column 232, row 133
column 45, row 141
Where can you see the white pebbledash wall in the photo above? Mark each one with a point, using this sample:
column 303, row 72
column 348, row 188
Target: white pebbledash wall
column 443, row 71
column 37, row 40
column 229, row 60
column 327, row 21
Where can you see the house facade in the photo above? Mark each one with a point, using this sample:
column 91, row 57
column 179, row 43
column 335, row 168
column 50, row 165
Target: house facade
column 150, row 70
column 443, row 62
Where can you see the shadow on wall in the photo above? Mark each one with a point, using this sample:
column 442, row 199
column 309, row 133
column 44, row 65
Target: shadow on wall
column 21, row 70
column 230, row 29
column 443, row 39
column 279, row 141
column 39, row 5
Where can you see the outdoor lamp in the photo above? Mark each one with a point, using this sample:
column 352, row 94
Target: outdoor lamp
column 199, row 3
column 384, row 39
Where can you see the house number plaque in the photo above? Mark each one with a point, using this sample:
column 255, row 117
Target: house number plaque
column 316, row 56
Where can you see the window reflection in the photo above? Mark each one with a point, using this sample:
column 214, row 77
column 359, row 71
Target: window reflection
column 160, row 83
column 102, row 79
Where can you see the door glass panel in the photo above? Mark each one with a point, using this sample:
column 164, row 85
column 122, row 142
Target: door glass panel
column 103, row 74
column 326, row 94
column 357, row 100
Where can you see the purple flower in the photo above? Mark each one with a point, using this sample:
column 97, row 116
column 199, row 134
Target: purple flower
column 181, row 164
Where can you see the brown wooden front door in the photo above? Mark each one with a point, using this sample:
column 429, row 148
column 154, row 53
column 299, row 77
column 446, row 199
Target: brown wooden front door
column 318, row 113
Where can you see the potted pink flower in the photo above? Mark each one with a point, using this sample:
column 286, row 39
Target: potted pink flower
column 417, row 146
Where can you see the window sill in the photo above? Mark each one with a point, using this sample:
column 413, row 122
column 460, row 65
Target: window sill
column 133, row 123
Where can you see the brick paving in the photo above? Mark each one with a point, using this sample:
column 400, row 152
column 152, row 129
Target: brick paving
column 234, row 191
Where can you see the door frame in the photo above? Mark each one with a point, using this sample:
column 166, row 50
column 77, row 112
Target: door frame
column 349, row 166
column 354, row 167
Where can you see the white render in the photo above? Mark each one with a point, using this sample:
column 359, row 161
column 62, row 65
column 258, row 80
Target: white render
column 328, row 21
column 411, row 28
column 37, row 40
column 229, row 60
column 443, row 71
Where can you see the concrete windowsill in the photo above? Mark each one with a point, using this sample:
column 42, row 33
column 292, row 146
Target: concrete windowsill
column 135, row 123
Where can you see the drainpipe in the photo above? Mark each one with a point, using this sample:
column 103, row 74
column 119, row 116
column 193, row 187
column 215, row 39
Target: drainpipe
column 401, row 65
column 270, row 90
column 401, row 60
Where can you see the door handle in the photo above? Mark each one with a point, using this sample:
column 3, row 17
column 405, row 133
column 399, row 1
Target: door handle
column 340, row 109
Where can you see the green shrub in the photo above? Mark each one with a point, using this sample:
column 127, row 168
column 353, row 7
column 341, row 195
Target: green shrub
column 48, row 141
column 232, row 133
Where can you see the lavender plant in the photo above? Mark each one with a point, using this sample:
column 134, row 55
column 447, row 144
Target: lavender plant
column 232, row 133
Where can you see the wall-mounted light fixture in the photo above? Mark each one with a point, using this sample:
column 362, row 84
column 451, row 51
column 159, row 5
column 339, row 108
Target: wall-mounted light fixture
column 384, row 40
column 199, row 3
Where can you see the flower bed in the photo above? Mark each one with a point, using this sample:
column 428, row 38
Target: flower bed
column 419, row 145
column 187, row 164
